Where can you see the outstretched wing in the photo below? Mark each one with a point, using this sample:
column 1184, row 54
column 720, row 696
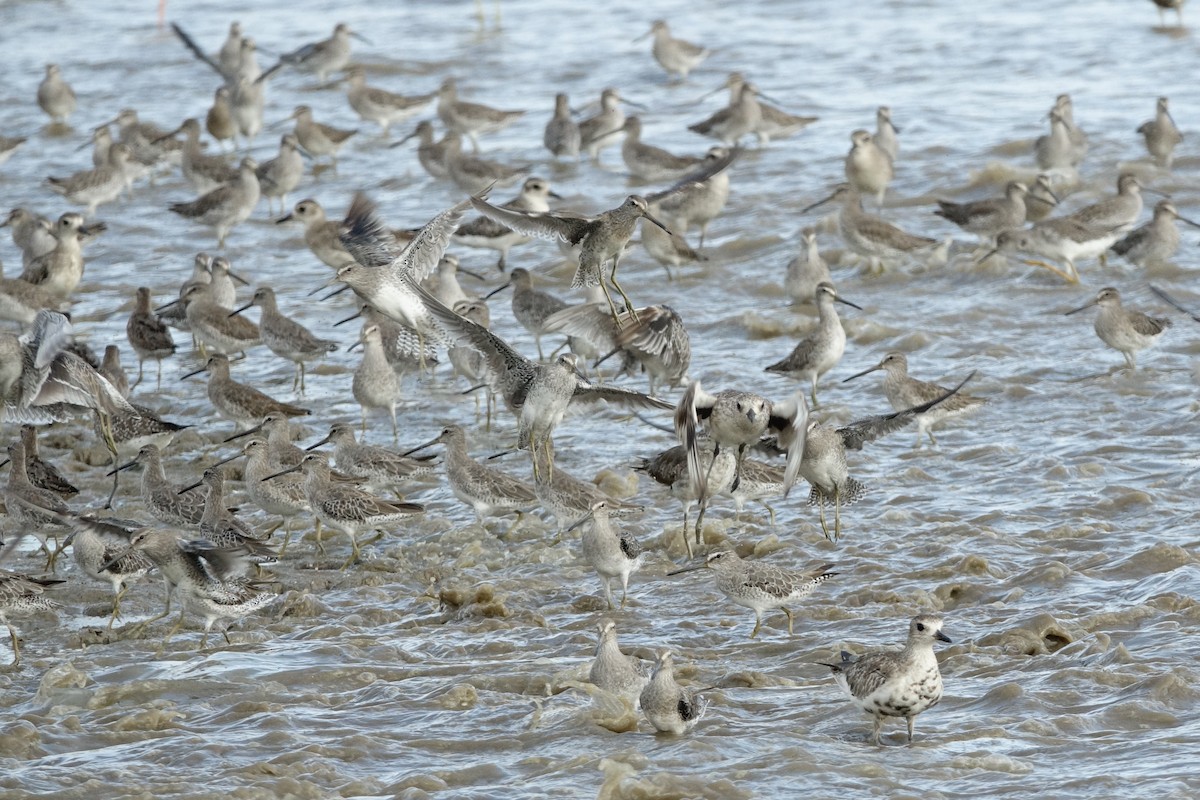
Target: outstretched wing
column 858, row 433
column 550, row 226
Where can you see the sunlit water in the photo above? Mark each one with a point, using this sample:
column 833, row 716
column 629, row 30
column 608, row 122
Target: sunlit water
column 1054, row 530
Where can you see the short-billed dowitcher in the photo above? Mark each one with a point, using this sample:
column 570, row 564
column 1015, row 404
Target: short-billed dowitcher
column 669, row 707
column 1124, row 329
column 759, row 586
column 822, row 348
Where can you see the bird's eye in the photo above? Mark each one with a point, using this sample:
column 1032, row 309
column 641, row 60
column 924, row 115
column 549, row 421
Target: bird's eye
column 920, row 626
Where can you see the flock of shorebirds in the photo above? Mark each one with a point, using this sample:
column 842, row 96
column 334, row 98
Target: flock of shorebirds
column 414, row 313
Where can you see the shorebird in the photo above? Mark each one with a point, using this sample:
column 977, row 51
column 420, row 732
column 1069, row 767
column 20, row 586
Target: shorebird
column 226, row 206
column 431, row 154
column 488, row 491
column 383, row 468
column 668, row 249
column 774, row 123
column 203, row 172
column 612, row 670
column 885, row 133
column 443, row 283
column 373, row 104
column 806, row 271
column 101, row 551
column 650, row 163
column 653, row 338
column 219, row 121
column 562, row 137
column 376, row 385
column 1055, row 151
column 603, row 128
column 569, row 499
column 112, row 370
column 470, row 119
column 531, row 307
column 1116, row 213
column 148, row 335
column 31, row 509
column 868, row 166
column 534, row 197
column 823, row 462
column 246, row 102
column 473, row 174
column 323, row 57
column 742, row 116
column 280, row 175
column 870, row 236
column 162, row 499
column 345, row 508
column 670, row 468
column 9, row 145
column 94, row 187
column 385, row 278
column 284, row 336
column 1043, row 198
column 600, row 239
column 668, row 706
column 822, row 348
column 1124, row 329
column 895, row 684
column 612, row 553
column 1061, row 238
column 21, row 301
column 538, row 393
column 239, row 402
column 1157, row 240
column 700, row 197
column 42, row 473
column 738, row 419
column 214, row 324
column 55, row 96
column 988, row 218
column 220, row 526
column 283, row 497
column 761, row 587
column 1161, row 134
column 60, row 270
column 320, row 234
column 904, row 391
column 677, row 56
column 208, row 578
column 22, row 594
column 316, row 138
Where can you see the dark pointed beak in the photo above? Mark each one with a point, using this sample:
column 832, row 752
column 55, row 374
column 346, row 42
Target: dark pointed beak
column 807, row 209
column 360, row 37
column 318, row 444
column 847, row 303
column 246, row 432
column 590, row 515
column 864, row 372
column 238, row 278
column 108, row 564
column 189, row 487
column 351, row 318
column 473, row 274
column 496, row 291
column 658, row 222
column 1083, row 307
column 195, row 372
column 287, row 471
column 554, row 194
column 943, row 637
column 121, row 468
column 282, row 220
column 165, row 306
column 689, row 568
column 421, row 447
column 237, row 311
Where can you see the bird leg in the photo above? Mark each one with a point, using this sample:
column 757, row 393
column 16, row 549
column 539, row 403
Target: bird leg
column 139, row 377
column 875, row 732
column 1066, row 276
column 757, row 623
column 821, row 512
column 909, row 720
column 12, row 634
column 789, row 616
column 837, row 513
column 612, row 277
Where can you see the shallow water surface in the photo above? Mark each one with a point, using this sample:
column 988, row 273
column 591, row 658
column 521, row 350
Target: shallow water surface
column 1054, row 530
